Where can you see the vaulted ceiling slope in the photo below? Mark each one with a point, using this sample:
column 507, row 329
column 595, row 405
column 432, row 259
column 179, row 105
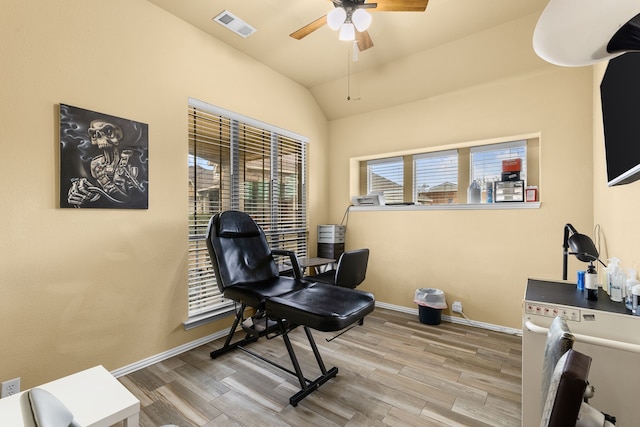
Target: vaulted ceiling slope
column 453, row 44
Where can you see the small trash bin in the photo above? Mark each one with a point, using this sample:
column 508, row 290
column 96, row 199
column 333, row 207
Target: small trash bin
column 430, row 304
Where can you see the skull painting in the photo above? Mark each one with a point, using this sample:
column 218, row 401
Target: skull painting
column 103, row 160
column 104, row 134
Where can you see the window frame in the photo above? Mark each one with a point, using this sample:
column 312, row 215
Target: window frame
column 256, row 163
column 499, row 150
column 533, row 144
column 393, row 166
column 442, row 155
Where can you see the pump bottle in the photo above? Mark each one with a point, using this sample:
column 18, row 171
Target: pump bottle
column 615, row 280
column 628, row 291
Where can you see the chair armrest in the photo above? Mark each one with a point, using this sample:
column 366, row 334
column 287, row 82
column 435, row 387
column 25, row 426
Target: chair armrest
column 294, row 261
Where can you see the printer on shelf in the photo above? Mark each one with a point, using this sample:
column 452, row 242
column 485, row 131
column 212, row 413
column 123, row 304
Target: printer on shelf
column 375, row 198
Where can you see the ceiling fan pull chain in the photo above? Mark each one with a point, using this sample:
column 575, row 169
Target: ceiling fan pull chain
column 351, row 57
column 348, row 76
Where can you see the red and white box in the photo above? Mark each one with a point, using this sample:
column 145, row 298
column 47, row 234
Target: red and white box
column 512, row 165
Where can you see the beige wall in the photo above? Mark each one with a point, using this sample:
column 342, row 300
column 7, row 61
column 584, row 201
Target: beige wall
column 482, row 258
column 87, row 287
column 615, row 209
column 108, row 287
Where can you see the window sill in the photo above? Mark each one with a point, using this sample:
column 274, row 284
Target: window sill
column 211, row 316
column 451, row 207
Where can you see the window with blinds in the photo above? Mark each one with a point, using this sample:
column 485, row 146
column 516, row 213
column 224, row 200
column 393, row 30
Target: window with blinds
column 242, row 164
column 486, row 161
column 386, row 176
column 435, row 178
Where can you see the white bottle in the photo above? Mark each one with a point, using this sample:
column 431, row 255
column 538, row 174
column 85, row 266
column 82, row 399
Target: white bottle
column 474, row 192
column 628, row 291
column 611, row 271
column 635, row 292
column 617, row 280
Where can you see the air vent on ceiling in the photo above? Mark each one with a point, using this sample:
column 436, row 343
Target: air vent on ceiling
column 235, row 24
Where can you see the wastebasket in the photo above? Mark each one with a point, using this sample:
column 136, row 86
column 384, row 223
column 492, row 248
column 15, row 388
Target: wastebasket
column 430, row 304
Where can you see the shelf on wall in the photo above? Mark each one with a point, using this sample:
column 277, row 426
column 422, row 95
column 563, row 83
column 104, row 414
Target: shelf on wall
column 451, row 207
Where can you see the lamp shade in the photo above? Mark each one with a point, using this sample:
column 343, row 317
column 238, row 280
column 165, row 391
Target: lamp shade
column 575, row 33
column 336, row 18
column 361, row 19
column 347, row 32
column 583, row 248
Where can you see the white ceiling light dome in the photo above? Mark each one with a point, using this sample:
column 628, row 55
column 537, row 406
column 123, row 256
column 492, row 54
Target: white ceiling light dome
column 361, row 19
column 347, row 32
column 336, row 18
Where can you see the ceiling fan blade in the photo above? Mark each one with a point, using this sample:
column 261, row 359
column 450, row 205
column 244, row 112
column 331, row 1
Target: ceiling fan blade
column 401, row 5
column 309, row 28
column 364, row 40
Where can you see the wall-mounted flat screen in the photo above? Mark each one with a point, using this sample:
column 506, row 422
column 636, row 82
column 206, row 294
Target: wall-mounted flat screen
column 620, row 95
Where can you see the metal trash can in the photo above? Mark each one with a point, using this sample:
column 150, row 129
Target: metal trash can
column 430, row 304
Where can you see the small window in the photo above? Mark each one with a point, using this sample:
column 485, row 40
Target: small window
column 435, row 178
column 443, row 175
column 386, row 176
column 486, row 161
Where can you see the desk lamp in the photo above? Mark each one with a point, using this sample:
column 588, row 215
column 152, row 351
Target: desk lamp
column 583, row 248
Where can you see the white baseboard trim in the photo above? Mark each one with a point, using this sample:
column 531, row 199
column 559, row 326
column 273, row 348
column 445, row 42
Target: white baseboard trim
column 136, row 366
column 454, row 319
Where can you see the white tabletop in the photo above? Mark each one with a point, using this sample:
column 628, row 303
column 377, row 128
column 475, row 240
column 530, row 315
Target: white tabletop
column 94, row 396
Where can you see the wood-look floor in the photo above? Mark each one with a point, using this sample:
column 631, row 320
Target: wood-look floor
column 393, row 371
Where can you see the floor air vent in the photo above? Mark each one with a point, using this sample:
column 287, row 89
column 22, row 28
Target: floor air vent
column 235, row 24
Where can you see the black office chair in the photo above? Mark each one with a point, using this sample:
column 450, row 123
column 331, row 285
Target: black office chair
column 246, row 272
column 350, row 271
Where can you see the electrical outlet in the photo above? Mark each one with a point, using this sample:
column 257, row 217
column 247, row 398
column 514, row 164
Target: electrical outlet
column 456, row 307
column 10, row 387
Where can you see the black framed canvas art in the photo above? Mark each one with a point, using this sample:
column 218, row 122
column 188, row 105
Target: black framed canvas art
column 104, row 160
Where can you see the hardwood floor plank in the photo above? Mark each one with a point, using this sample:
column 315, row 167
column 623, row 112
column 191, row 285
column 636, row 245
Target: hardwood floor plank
column 442, row 387
column 438, row 416
column 393, row 371
column 398, row 418
column 423, row 392
column 493, row 416
column 206, row 384
column 512, row 406
column 497, row 385
column 189, row 404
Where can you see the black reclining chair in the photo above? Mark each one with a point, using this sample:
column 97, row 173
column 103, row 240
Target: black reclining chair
column 246, row 272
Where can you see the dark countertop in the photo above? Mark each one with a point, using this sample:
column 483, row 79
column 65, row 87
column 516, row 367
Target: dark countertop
column 566, row 293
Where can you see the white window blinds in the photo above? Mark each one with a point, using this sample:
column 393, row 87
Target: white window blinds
column 238, row 163
column 386, row 176
column 435, row 177
column 486, row 160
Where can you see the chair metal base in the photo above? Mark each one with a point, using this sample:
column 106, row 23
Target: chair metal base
column 280, row 328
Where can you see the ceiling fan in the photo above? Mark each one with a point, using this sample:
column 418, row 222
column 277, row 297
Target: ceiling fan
column 350, row 17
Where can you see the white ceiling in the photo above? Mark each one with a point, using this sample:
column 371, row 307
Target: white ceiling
column 320, row 58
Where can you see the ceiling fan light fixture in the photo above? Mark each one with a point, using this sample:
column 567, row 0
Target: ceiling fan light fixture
column 361, row 19
column 347, row 32
column 336, row 18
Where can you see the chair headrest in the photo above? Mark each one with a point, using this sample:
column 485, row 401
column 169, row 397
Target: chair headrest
column 236, row 224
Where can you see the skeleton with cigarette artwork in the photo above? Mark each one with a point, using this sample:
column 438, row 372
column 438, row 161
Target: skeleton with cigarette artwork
column 114, row 176
column 104, row 160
